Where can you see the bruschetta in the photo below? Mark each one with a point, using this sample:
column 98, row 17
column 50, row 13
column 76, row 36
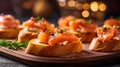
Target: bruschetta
column 108, row 39
column 9, row 26
column 57, row 44
column 32, row 27
column 82, row 29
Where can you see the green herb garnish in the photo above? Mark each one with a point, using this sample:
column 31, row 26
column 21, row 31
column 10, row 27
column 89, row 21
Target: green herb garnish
column 89, row 20
column 75, row 19
column 12, row 44
column 48, row 29
column 61, row 30
column 38, row 18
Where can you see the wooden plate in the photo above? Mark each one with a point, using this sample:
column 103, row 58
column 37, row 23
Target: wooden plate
column 85, row 57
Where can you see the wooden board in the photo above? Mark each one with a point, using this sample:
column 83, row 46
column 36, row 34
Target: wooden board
column 85, row 57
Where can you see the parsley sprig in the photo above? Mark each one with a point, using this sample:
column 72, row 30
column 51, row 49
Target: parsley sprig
column 12, row 44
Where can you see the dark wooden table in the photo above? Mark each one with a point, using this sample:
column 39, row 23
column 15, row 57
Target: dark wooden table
column 5, row 62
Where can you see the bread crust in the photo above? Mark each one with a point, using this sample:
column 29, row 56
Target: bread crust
column 37, row 48
column 9, row 32
column 112, row 45
column 86, row 37
column 25, row 35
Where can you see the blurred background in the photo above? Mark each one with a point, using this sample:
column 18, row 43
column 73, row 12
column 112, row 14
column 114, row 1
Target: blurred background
column 52, row 10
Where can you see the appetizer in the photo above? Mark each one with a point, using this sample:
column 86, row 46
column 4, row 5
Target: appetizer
column 84, row 30
column 9, row 26
column 108, row 39
column 58, row 43
column 32, row 27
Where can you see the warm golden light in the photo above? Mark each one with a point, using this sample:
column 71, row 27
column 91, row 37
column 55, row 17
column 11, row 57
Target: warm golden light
column 86, row 6
column 85, row 13
column 71, row 3
column 78, row 6
column 62, row 3
column 94, row 6
column 102, row 7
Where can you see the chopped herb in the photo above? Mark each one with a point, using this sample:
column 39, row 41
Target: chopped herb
column 38, row 18
column 61, row 30
column 12, row 44
column 75, row 19
column 89, row 20
column 48, row 29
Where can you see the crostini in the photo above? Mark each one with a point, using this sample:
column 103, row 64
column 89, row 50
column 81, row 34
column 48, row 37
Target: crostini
column 32, row 27
column 108, row 40
column 84, row 30
column 57, row 44
column 9, row 26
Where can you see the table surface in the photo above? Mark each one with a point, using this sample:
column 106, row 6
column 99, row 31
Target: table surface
column 6, row 62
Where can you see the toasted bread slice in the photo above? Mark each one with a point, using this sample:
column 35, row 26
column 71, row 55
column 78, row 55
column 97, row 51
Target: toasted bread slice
column 111, row 45
column 9, row 33
column 37, row 48
column 25, row 35
column 86, row 37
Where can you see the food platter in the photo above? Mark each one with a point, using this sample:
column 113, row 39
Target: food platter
column 85, row 57
column 59, row 45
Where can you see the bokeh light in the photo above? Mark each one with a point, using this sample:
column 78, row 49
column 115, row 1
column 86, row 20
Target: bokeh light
column 94, row 6
column 71, row 3
column 62, row 3
column 85, row 13
column 102, row 7
column 86, row 6
column 78, row 6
